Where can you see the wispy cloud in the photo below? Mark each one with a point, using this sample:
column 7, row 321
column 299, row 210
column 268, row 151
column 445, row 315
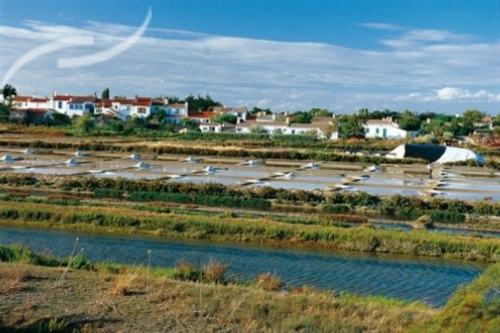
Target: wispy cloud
column 381, row 26
column 282, row 75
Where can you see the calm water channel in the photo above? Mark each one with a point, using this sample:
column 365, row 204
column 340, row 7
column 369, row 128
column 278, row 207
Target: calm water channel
column 429, row 280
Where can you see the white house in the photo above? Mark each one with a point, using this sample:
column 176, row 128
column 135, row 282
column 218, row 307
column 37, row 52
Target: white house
column 30, row 102
column 282, row 128
column 175, row 112
column 73, row 105
column 203, row 117
column 141, row 107
column 217, row 128
column 385, row 129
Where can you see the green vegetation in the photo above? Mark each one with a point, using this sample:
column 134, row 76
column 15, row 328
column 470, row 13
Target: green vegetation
column 258, row 231
column 474, row 308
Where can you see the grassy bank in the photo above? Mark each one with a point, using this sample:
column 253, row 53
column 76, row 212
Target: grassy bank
column 35, row 298
column 361, row 239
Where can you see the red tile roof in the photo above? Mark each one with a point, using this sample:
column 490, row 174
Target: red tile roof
column 203, row 114
column 106, row 103
column 142, row 101
column 83, row 99
column 62, row 97
column 39, row 100
column 122, row 100
column 22, row 98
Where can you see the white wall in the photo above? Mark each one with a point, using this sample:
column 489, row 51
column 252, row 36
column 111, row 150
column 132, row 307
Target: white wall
column 384, row 131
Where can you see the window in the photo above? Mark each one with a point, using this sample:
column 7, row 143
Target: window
column 293, row 132
column 59, row 105
column 377, row 130
column 141, row 110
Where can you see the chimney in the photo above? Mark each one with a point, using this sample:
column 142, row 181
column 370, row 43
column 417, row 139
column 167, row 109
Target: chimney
column 54, row 94
column 285, row 113
column 238, row 120
column 288, row 120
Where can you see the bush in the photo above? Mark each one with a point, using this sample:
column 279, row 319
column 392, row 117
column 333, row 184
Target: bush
column 269, row 282
column 187, row 272
column 446, row 216
column 214, row 272
column 336, row 209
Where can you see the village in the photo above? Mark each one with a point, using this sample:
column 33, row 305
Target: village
column 471, row 127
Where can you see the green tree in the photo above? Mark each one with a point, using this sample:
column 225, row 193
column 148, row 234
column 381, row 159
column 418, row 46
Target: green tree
column 59, row 119
column 363, row 114
column 473, row 115
column 409, row 122
column 5, row 110
column 301, row 117
column 225, row 117
column 191, row 124
column 351, row 126
column 84, row 124
column 8, row 91
column 318, row 112
column 173, row 99
column 105, row 93
column 159, row 116
column 201, row 103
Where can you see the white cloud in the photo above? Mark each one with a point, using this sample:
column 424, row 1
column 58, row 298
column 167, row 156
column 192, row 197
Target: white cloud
column 381, row 26
column 287, row 75
column 449, row 93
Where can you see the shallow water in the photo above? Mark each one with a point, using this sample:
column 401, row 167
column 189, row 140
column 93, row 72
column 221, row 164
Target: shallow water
column 429, row 280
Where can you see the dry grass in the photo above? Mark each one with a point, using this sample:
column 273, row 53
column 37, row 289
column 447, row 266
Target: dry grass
column 13, row 279
column 214, row 272
column 89, row 298
column 123, row 284
column 269, row 282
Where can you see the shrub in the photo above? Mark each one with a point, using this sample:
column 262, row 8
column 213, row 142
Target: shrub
column 446, row 216
column 214, row 272
column 186, row 271
column 336, row 208
column 269, row 282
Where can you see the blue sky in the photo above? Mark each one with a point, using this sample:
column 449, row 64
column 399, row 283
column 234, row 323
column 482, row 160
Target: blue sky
column 284, row 54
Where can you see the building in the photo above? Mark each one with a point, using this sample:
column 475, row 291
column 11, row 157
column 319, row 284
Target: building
column 203, row 117
column 216, row 127
column 385, row 129
column 30, row 102
column 30, row 115
column 284, row 128
column 241, row 113
column 73, row 105
column 485, row 123
column 175, row 113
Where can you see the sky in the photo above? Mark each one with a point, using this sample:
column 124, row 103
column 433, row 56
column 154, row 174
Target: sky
column 286, row 55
